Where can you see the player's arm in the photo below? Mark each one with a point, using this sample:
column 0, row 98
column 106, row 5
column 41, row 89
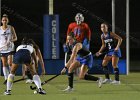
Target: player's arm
column 86, row 41
column 118, row 38
column 24, row 69
column 76, row 48
column 14, row 38
column 102, row 47
column 34, row 58
column 88, row 33
column 41, row 61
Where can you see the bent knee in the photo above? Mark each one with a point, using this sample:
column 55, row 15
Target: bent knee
column 70, row 69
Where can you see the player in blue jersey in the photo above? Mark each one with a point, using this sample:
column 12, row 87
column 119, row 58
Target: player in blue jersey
column 113, row 53
column 25, row 54
column 80, row 57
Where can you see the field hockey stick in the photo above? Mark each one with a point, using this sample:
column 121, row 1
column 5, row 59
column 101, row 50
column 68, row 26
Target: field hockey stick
column 94, row 55
column 18, row 80
column 33, row 88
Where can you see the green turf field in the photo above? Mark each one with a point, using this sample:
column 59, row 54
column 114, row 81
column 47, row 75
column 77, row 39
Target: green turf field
column 84, row 90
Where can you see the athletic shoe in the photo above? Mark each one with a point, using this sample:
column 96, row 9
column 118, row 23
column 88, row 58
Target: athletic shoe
column 41, row 91
column 5, row 82
column 68, row 89
column 100, row 81
column 106, row 81
column 29, row 81
column 7, row 92
column 116, row 82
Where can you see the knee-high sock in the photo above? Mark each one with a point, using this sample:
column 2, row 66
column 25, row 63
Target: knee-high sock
column 10, row 81
column 116, row 72
column 106, row 71
column 37, row 81
column 91, row 78
column 70, row 79
column 5, row 72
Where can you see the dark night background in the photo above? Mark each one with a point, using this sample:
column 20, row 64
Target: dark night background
column 27, row 18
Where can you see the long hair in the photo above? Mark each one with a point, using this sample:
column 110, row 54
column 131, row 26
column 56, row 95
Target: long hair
column 106, row 24
column 24, row 41
column 31, row 41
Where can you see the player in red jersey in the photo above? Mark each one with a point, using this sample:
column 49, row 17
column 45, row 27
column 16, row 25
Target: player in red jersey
column 80, row 29
column 81, row 32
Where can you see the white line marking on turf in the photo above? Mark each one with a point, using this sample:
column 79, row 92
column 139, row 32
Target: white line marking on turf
column 130, row 84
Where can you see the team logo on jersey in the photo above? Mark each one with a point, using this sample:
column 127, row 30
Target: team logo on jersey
column 77, row 31
column 108, row 40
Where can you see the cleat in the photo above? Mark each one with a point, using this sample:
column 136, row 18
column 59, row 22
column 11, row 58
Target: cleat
column 100, row 81
column 5, row 82
column 68, row 89
column 116, row 82
column 7, row 92
column 41, row 91
column 106, row 81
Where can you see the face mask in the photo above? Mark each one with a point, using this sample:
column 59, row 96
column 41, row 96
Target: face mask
column 79, row 18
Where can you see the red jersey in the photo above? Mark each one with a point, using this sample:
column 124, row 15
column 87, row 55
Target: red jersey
column 81, row 31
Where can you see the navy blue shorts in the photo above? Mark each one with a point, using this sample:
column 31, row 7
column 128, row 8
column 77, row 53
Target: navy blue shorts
column 22, row 56
column 116, row 53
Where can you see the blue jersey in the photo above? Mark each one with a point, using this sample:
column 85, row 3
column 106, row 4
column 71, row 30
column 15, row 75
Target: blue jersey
column 109, row 41
column 110, row 45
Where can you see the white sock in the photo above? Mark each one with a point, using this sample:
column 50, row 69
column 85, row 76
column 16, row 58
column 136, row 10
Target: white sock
column 37, row 81
column 10, row 81
column 5, row 72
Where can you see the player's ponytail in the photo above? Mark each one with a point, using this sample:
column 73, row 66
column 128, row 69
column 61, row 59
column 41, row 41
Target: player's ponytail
column 24, row 41
column 31, row 41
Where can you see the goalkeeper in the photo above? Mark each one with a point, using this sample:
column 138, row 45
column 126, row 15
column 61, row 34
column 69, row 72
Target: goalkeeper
column 81, row 32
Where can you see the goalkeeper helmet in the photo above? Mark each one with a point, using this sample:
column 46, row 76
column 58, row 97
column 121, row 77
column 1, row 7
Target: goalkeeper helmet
column 79, row 18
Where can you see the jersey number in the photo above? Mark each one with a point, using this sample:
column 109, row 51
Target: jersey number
column 25, row 46
column 109, row 46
